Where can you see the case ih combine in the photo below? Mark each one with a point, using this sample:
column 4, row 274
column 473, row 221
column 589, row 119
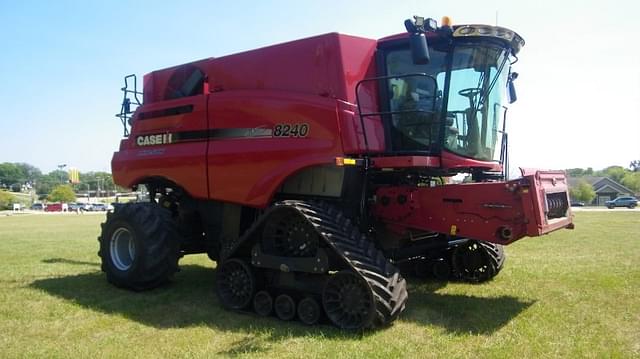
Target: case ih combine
column 312, row 170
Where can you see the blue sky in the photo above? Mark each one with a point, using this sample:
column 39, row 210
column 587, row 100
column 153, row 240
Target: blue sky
column 62, row 64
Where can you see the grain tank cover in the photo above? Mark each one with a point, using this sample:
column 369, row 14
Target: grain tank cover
column 328, row 65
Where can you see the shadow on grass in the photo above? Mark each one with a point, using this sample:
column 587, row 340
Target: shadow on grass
column 462, row 314
column 190, row 301
column 69, row 261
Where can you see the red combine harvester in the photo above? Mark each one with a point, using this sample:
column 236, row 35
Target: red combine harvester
column 312, row 170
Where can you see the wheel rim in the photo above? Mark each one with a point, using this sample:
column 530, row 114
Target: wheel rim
column 263, row 303
column 473, row 262
column 309, row 311
column 122, row 249
column 235, row 283
column 290, row 235
column 348, row 301
column 285, row 307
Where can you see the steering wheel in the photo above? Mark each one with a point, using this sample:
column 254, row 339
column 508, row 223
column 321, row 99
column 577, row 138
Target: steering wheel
column 470, row 92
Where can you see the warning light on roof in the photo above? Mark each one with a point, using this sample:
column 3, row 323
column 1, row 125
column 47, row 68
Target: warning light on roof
column 446, row 21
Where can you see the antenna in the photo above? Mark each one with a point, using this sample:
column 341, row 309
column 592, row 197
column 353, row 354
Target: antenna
column 496, row 17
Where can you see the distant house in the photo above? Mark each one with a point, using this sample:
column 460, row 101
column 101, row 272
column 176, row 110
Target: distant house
column 606, row 189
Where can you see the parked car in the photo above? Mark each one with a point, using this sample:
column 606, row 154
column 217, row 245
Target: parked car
column 577, row 204
column 78, row 207
column 96, row 207
column 57, row 207
column 38, row 207
column 630, row 202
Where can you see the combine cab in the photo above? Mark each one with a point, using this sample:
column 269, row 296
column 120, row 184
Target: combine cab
column 311, row 171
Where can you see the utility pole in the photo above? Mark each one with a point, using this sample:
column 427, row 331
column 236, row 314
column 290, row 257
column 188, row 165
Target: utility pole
column 60, row 168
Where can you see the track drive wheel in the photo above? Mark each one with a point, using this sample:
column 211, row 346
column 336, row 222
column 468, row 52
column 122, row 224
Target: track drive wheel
column 348, row 301
column 477, row 262
column 289, row 234
column 235, row 284
column 139, row 246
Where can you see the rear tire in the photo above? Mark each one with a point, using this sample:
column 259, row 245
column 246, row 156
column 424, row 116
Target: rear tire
column 139, row 246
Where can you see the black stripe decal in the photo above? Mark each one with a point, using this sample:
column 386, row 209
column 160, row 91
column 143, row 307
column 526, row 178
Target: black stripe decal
column 172, row 111
column 222, row 133
column 202, row 135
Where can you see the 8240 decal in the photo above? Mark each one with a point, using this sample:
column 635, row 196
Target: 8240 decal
column 291, row 130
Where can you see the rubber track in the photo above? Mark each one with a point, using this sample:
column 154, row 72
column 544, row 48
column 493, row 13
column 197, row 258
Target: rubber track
column 496, row 253
column 360, row 253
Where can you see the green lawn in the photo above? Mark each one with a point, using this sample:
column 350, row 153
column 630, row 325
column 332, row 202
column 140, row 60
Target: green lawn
column 569, row 294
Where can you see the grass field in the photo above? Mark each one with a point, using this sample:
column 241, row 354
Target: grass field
column 569, row 294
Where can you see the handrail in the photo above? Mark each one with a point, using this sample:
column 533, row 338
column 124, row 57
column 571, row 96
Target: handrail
column 125, row 108
column 386, row 113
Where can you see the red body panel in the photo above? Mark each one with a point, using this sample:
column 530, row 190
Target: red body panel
column 249, row 169
column 545, row 183
column 305, row 81
column 183, row 163
column 352, row 133
column 453, row 161
column 499, row 212
column 405, row 162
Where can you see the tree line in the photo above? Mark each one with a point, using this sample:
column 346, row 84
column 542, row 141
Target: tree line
column 20, row 177
column 23, row 177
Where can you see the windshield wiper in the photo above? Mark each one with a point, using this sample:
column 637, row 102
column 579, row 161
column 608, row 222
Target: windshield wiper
column 483, row 95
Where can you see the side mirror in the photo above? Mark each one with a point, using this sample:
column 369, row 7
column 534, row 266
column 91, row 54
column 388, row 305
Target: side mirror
column 419, row 48
column 513, row 97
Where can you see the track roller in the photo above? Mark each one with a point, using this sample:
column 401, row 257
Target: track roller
column 309, row 311
column 285, row 307
column 263, row 303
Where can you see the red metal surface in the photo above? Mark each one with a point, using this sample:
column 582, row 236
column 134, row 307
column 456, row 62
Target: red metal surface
column 544, row 183
column 248, row 170
column 475, row 210
column 452, row 161
column 351, row 131
column 328, row 65
column 183, row 163
column 309, row 81
column 405, row 161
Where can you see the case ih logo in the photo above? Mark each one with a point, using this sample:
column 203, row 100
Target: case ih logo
column 151, row 140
